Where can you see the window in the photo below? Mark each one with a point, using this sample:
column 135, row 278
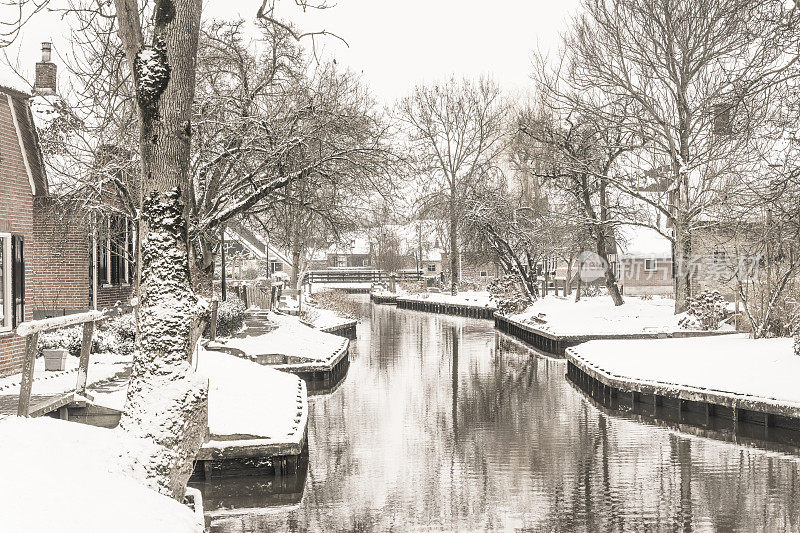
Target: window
column 115, row 251
column 365, row 262
column 5, row 281
column 484, row 274
column 341, row 261
column 720, row 259
column 12, row 280
column 277, row 267
column 650, row 265
column 431, row 267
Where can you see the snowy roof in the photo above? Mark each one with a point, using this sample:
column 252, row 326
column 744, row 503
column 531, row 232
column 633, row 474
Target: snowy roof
column 28, row 138
column 640, row 241
column 10, row 80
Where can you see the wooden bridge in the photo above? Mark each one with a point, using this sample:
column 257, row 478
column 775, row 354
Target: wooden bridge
column 31, row 405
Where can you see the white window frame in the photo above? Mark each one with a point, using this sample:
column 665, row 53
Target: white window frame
column 654, row 267
column 126, row 259
column 484, row 273
column 6, row 320
column 432, row 267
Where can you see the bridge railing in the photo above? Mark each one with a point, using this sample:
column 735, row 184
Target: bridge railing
column 31, row 330
column 359, row 276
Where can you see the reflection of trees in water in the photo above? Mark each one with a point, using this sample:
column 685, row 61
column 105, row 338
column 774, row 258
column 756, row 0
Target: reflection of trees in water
column 442, row 424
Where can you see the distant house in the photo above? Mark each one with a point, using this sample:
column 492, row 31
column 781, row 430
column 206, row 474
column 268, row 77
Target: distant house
column 644, row 261
column 353, row 251
column 251, row 256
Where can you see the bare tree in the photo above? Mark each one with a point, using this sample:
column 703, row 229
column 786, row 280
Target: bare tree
column 576, row 155
column 687, row 68
column 456, row 132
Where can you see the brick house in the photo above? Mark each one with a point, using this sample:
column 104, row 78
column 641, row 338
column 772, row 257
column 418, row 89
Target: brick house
column 22, row 179
column 82, row 260
column 54, row 259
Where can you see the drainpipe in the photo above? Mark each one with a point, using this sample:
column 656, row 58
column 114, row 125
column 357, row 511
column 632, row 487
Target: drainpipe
column 224, row 276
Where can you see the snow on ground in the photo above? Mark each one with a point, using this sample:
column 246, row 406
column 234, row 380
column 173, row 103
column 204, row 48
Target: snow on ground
column 598, row 315
column 68, row 477
column 764, row 368
column 291, row 338
column 473, row 298
column 246, row 398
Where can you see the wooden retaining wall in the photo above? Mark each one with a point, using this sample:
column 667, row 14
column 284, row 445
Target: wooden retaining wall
column 471, row 311
column 383, row 299
column 538, row 339
column 698, row 408
column 347, row 330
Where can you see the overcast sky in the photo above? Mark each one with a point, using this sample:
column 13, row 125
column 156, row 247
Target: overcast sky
column 396, row 44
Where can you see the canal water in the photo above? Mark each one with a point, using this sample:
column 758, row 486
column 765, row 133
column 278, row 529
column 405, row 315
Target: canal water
column 444, row 424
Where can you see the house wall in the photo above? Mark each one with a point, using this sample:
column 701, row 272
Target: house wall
column 16, row 216
column 634, row 280
column 60, row 257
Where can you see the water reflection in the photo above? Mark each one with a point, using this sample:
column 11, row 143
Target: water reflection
column 442, row 424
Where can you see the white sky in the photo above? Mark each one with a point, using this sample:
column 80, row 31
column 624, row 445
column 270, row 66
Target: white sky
column 395, row 44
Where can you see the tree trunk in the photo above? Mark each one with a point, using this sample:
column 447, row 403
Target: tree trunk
column 455, row 274
column 608, row 276
column 166, row 402
column 681, row 254
column 295, row 266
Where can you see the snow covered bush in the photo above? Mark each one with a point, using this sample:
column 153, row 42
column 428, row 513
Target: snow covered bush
column 116, row 335
column 706, row 310
column 230, row 317
column 338, row 301
column 412, row 287
column 508, row 296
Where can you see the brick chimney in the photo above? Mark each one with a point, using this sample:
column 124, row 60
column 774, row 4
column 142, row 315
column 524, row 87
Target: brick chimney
column 45, row 72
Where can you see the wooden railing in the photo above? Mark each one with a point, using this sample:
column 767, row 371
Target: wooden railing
column 358, row 276
column 31, row 330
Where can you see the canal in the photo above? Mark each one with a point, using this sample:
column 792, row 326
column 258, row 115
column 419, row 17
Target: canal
column 442, row 423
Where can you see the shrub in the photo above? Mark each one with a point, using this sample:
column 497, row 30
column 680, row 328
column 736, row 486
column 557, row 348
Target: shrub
column 230, row 317
column 706, row 311
column 412, row 287
column 338, row 301
column 508, row 296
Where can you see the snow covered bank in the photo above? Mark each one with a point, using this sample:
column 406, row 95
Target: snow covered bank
column 68, row 477
column 468, row 298
column 248, row 399
column 599, row 316
column 291, row 338
column 732, row 367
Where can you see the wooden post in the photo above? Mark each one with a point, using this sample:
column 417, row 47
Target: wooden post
column 83, row 364
column 27, row 374
column 214, row 307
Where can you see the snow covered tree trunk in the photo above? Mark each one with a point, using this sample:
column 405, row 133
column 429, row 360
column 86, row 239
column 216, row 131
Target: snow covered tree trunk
column 166, row 401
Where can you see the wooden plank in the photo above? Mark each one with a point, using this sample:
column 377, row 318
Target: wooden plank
column 83, row 364
column 51, row 404
column 27, row 375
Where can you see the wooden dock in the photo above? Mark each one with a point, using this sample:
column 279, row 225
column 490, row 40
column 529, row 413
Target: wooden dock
column 347, row 329
column 236, row 455
column 472, row 311
column 554, row 344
